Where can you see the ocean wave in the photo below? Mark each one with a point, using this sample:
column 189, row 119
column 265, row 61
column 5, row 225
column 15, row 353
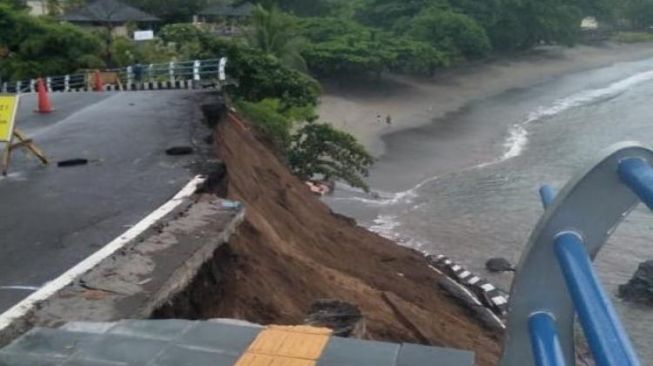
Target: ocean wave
column 516, row 142
column 514, row 145
column 384, row 198
column 517, row 139
column 386, row 226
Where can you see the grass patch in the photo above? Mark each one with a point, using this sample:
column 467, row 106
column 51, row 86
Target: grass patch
column 633, row 37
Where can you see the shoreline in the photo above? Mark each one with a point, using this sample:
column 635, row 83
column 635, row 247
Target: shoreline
column 363, row 107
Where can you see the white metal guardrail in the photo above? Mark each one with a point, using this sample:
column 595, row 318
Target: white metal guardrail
column 173, row 74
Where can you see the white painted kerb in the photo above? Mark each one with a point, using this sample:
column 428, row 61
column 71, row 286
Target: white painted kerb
column 22, row 308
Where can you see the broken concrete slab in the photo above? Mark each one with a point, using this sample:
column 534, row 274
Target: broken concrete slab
column 146, row 273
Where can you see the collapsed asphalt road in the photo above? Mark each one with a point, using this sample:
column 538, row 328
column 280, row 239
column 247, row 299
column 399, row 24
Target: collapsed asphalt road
column 51, row 218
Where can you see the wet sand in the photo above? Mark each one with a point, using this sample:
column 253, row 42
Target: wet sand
column 365, row 108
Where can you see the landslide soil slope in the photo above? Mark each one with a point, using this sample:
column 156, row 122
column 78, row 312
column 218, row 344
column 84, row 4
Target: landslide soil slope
column 292, row 250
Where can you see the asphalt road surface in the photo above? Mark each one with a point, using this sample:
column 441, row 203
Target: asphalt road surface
column 51, row 218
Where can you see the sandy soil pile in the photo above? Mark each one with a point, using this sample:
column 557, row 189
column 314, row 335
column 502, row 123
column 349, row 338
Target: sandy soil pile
column 292, row 250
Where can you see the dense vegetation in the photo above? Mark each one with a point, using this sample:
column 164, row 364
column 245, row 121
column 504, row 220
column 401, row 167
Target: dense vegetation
column 31, row 46
column 289, row 43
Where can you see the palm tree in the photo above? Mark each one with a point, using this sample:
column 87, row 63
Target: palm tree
column 275, row 33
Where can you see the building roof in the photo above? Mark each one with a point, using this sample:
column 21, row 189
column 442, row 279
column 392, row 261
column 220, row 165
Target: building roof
column 229, row 10
column 111, row 11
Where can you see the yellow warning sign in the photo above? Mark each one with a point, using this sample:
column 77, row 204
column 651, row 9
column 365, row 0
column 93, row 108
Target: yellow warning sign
column 8, row 107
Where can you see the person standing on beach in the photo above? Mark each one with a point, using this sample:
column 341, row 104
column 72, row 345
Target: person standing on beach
column 388, row 119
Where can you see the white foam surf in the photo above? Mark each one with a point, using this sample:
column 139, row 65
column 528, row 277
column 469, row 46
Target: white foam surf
column 515, row 143
column 517, row 139
column 381, row 198
column 387, row 225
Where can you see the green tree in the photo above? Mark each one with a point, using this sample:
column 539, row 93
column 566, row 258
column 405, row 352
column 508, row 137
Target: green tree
column 14, row 4
column 319, row 150
column 269, row 120
column 387, row 13
column 451, row 32
column 171, row 11
column 486, row 12
column 355, row 54
column 341, row 47
column 275, row 33
column 56, row 7
column 314, row 7
column 639, row 13
column 521, row 24
column 190, row 42
column 416, row 57
column 262, row 76
column 38, row 46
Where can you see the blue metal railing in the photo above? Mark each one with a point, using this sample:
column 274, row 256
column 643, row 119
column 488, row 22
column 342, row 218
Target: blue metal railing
column 556, row 279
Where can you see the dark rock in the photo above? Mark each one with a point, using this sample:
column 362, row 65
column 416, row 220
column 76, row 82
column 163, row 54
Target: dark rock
column 215, row 182
column 214, row 112
column 496, row 265
column 343, row 318
column 208, row 139
column 179, row 150
column 72, row 162
column 640, row 288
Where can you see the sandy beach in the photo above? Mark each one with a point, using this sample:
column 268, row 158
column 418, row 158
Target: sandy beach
column 372, row 109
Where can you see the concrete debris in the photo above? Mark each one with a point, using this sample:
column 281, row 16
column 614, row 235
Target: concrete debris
column 345, row 319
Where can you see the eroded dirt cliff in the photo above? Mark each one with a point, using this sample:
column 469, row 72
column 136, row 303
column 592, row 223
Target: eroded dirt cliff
column 292, row 250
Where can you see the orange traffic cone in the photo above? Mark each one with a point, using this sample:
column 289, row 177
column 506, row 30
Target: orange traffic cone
column 99, row 84
column 44, row 100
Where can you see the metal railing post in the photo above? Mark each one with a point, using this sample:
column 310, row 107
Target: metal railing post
column 130, row 76
column 606, row 337
column 196, row 70
column 188, row 72
column 545, row 340
column 555, row 274
column 638, row 175
column 547, row 194
column 222, row 74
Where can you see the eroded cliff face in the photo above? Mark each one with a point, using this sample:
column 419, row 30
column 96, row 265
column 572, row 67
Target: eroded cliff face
column 292, row 250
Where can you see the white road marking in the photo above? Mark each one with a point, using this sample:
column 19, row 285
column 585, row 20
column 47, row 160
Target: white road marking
column 456, row 268
column 464, row 274
column 22, row 308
